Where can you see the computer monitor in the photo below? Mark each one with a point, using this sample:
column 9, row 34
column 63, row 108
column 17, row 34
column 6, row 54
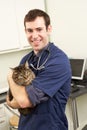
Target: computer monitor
column 78, row 68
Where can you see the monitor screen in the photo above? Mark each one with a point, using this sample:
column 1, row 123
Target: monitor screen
column 78, row 68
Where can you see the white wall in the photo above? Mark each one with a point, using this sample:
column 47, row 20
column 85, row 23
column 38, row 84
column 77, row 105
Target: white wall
column 69, row 21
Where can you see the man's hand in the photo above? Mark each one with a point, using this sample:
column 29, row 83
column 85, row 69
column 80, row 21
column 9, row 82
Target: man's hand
column 13, row 103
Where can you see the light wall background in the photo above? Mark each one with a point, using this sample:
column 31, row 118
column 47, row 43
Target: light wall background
column 69, row 21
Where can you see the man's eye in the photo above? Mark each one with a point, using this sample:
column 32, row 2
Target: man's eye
column 29, row 30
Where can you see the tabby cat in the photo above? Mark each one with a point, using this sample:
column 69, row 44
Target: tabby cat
column 22, row 75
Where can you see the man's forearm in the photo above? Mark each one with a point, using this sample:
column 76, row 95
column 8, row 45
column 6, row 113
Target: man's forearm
column 13, row 103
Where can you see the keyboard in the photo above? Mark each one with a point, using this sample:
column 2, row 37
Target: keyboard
column 74, row 89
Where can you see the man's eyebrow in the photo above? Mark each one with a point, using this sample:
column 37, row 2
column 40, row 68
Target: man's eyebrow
column 39, row 27
column 30, row 29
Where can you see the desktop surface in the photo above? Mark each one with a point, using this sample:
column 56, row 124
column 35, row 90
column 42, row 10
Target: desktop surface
column 77, row 84
column 74, row 89
column 80, row 91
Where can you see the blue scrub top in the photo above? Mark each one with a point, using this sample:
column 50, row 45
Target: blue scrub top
column 53, row 77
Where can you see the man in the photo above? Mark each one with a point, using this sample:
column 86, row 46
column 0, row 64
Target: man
column 49, row 91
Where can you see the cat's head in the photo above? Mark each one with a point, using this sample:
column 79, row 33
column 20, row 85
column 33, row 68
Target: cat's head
column 22, row 74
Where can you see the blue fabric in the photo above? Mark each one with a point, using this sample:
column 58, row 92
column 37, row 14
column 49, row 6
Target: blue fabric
column 36, row 95
column 54, row 80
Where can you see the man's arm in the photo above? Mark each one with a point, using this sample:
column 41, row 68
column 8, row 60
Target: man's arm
column 19, row 93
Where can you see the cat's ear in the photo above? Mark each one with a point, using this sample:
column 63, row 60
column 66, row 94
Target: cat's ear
column 11, row 68
column 26, row 64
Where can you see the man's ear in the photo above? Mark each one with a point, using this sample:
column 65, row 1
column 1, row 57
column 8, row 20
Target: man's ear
column 49, row 28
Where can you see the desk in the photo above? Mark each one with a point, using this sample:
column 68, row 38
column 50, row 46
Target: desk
column 73, row 97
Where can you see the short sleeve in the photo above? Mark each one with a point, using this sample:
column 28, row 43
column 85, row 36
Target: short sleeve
column 53, row 76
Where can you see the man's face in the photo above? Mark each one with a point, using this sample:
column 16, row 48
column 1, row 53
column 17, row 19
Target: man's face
column 37, row 34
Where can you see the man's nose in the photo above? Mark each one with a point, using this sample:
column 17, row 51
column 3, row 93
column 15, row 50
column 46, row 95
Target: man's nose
column 35, row 34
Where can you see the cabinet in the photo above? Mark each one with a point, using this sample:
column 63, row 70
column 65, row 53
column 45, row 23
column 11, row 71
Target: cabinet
column 5, row 114
column 12, row 12
column 8, row 29
column 10, row 112
column 3, row 118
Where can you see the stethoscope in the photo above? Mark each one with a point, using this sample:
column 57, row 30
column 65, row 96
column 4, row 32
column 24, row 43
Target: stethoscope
column 42, row 66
